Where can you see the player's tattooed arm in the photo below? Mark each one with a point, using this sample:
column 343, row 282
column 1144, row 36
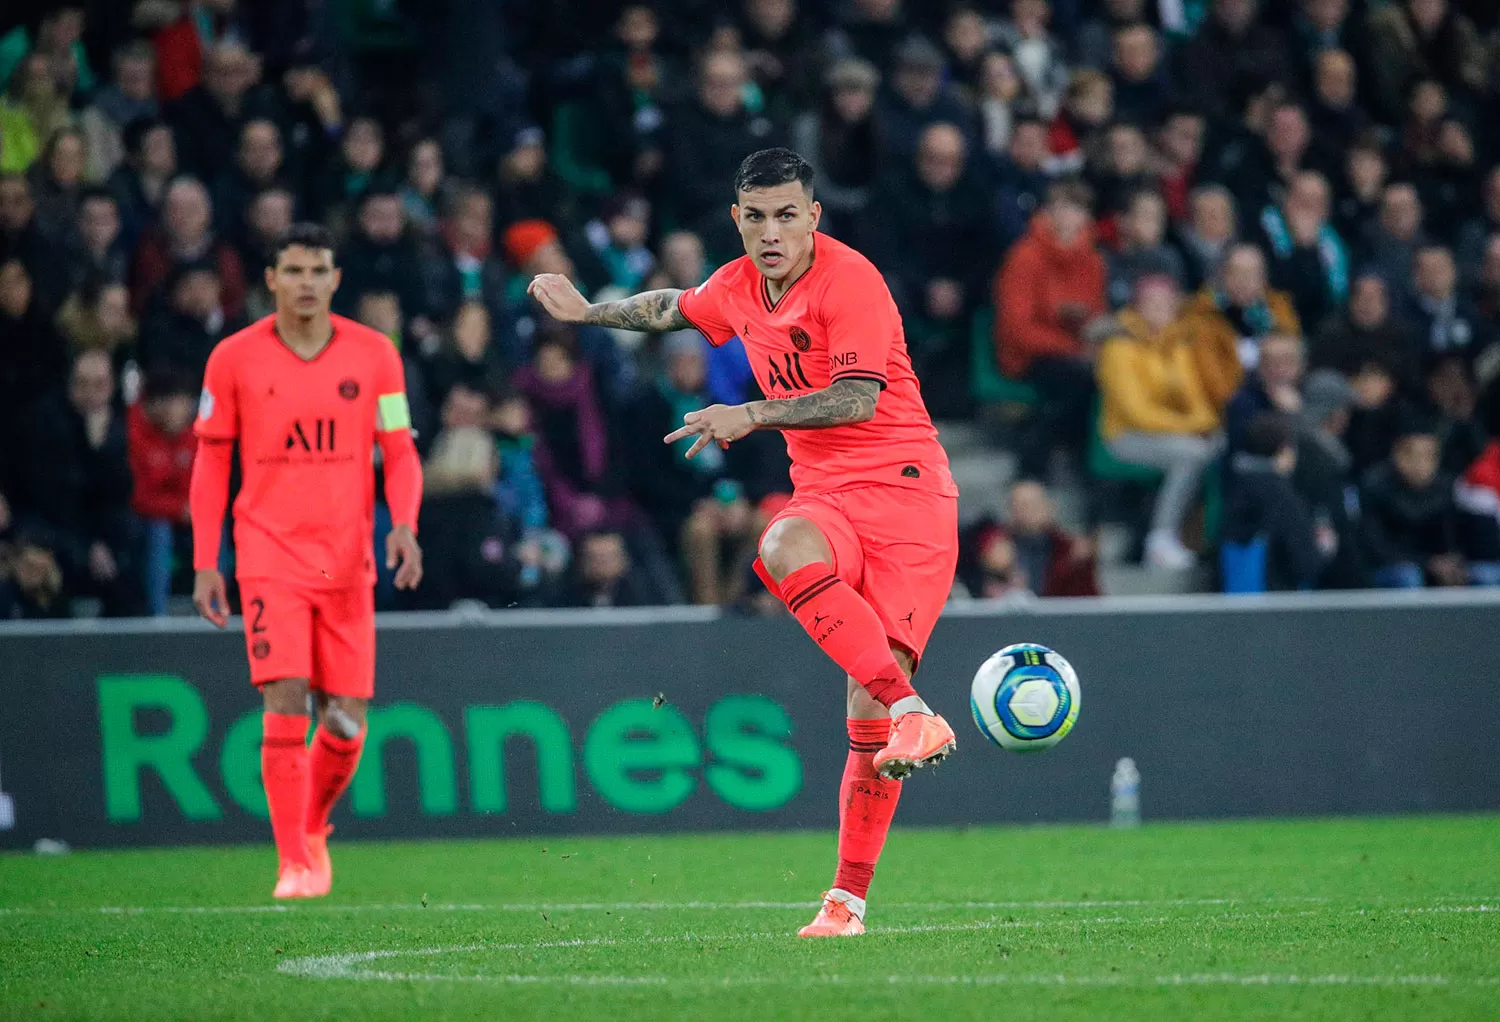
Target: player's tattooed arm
column 840, row 403
column 651, row 311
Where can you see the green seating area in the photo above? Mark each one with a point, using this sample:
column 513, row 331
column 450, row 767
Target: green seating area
column 990, row 386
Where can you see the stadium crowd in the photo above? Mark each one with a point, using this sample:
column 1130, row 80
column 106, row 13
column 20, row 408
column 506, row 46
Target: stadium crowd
column 1241, row 255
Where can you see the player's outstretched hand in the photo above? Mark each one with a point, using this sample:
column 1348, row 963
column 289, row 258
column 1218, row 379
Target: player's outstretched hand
column 559, row 297
column 719, row 424
column 211, row 598
column 403, row 554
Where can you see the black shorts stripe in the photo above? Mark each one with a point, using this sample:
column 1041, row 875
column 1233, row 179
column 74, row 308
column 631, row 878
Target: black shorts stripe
column 861, row 747
column 805, row 597
column 809, row 588
column 858, row 375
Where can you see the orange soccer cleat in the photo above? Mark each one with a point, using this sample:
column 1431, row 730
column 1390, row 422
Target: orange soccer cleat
column 836, row 918
column 320, row 866
column 917, row 739
column 296, row 881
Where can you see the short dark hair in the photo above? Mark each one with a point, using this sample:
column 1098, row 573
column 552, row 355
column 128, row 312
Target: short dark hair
column 167, row 381
column 1071, row 189
column 771, row 167
column 91, row 192
column 1268, row 434
column 306, row 235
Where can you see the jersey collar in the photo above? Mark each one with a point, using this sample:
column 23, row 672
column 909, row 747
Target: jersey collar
column 765, row 290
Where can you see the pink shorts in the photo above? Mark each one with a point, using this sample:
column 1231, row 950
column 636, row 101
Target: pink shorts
column 324, row 635
column 897, row 547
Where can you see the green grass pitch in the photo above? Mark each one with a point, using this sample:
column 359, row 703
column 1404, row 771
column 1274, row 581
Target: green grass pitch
column 1321, row 919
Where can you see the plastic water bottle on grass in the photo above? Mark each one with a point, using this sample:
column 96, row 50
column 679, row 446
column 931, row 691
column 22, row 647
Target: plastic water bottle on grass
column 1125, row 795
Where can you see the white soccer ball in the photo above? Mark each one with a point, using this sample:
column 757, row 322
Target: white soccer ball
column 1025, row 698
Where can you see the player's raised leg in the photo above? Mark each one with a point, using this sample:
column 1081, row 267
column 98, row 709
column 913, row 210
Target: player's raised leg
column 336, row 749
column 283, row 769
column 799, row 558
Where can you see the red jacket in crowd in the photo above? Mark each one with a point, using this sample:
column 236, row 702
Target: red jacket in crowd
column 1044, row 294
column 161, row 465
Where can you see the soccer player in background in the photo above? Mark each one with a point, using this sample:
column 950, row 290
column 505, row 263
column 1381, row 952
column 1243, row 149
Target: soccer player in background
column 864, row 554
column 306, row 395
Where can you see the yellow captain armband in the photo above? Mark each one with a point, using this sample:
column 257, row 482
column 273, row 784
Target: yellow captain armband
column 393, row 412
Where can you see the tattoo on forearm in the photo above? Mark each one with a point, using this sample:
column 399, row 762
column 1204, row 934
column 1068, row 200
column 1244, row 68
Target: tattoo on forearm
column 651, row 311
column 838, row 404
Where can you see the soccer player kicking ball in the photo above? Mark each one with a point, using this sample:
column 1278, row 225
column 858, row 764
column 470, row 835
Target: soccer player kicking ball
column 306, row 394
column 864, row 553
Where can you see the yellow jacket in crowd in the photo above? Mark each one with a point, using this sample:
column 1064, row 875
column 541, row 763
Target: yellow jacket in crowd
column 1150, row 382
column 1215, row 339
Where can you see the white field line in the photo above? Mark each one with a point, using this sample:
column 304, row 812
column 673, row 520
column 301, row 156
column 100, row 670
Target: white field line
column 354, row 965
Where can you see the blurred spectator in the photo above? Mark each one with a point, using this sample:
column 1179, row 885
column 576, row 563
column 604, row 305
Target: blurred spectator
column 870, row 29
column 779, row 52
column 1141, row 92
column 259, row 163
column 1451, row 400
column 186, row 321
column 1180, row 150
column 997, row 101
column 31, row 580
column 1094, row 43
column 1229, row 49
column 1155, row 411
column 543, row 552
column 1474, row 236
column 697, row 507
column 706, row 140
column 185, row 237
column 1038, row 54
column 1361, row 189
column 76, row 482
column 1121, row 170
column 965, row 41
column 1275, row 385
column 33, row 359
column 462, row 267
column 1228, row 319
column 841, row 140
column 1264, row 179
column 181, row 33
column 1086, row 110
column 22, row 239
column 1439, row 154
column 469, row 356
column 160, row 443
column 529, row 188
column 1445, row 322
column 1411, row 521
column 424, row 193
column 59, row 31
column 269, row 215
column 1270, row 539
column 57, row 181
column 383, row 255
column 935, row 248
column 571, row 426
column 1209, row 233
column 1487, row 287
column 1021, row 179
column 140, row 182
column 469, row 545
column 353, row 175
column 129, row 97
column 1366, row 335
column 1053, row 562
column 1320, row 27
column 1416, row 39
column 209, row 116
column 1393, row 240
column 1142, row 249
column 604, row 575
column 97, row 316
column 31, row 112
column 916, row 99
column 101, row 251
column 1050, row 286
column 619, row 240
column 633, row 80
column 1324, row 477
column 1334, row 114
column 1308, row 260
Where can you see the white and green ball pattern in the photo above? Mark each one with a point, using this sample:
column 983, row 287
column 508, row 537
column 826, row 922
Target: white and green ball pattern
column 1025, row 698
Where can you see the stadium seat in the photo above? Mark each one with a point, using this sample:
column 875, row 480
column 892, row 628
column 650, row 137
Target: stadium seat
column 990, row 386
column 574, row 154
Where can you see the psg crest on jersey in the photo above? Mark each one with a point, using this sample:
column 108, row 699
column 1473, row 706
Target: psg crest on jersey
column 349, row 389
column 800, row 340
